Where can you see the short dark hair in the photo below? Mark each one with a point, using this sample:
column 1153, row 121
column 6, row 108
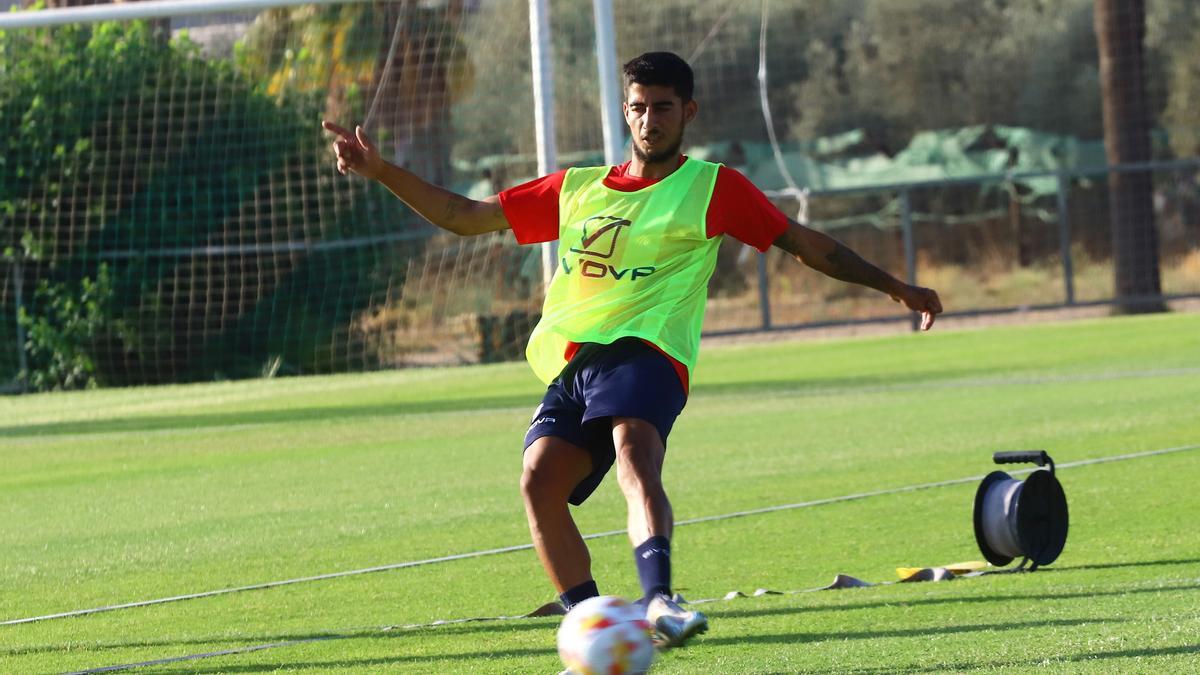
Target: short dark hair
column 661, row 69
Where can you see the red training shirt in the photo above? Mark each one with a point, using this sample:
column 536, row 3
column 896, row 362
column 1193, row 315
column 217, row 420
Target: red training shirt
column 737, row 208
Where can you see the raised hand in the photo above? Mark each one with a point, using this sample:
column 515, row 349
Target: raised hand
column 355, row 152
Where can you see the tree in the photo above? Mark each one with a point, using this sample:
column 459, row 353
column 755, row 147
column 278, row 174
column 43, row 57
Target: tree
column 94, row 167
column 1173, row 41
column 894, row 68
column 1120, row 34
column 407, row 58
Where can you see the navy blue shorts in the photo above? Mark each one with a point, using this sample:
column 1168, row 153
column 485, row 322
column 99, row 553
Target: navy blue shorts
column 627, row 378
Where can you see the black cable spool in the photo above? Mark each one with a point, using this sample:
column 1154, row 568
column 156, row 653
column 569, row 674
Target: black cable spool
column 1021, row 518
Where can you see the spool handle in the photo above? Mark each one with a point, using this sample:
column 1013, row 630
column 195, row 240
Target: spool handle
column 1039, row 457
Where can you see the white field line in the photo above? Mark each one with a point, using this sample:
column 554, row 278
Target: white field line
column 597, row 535
column 206, row 655
column 926, row 486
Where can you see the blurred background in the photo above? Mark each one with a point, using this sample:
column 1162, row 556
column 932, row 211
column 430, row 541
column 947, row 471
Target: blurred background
column 169, row 210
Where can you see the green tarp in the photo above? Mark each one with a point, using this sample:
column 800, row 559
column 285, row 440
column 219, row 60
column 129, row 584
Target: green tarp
column 969, row 152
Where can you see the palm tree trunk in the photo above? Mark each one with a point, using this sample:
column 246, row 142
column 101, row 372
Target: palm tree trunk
column 1120, row 32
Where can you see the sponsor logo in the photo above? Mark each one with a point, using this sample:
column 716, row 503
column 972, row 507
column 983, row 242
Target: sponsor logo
column 601, row 236
column 594, row 270
column 540, row 420
column 655, row 551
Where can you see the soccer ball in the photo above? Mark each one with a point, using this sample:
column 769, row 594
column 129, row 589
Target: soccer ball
column 605, row 635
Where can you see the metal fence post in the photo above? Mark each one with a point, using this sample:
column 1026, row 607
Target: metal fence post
column 764, row 295
column 22, row 359
column 1064, row 236
column 910, row 249
column 542, row 70
column 612, row 122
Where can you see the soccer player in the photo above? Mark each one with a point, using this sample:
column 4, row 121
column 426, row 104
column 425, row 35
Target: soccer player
column 620, row 329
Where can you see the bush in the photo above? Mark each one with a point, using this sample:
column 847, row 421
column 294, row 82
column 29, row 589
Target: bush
column 62, row 339
column 123, row 154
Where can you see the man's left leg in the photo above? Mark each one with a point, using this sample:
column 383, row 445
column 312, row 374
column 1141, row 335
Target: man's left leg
column 639, row 458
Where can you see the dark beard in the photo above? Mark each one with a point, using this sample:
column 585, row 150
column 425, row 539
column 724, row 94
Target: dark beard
column 659, row 157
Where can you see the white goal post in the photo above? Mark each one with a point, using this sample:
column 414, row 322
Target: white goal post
column 153, row 9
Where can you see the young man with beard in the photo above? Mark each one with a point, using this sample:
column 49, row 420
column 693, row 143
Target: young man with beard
column 620, row 329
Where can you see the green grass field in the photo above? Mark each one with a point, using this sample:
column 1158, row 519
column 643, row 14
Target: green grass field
column 117, row 496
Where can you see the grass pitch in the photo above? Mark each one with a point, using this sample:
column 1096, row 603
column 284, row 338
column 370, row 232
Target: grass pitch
column 116, row 496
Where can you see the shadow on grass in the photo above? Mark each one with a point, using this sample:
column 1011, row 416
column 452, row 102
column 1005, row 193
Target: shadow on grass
column 799, row 637
column 1117, row 565
column 381, row 662
column 823, row 387
column 377, row 664
column 952, row 377
column 246, row 644
column 1036, row 663
column 893, row 602
column 548, row 624
column 221, row 642
column 279, row 664
column 279, row 416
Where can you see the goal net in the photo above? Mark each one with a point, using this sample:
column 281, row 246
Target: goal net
column 169, row 210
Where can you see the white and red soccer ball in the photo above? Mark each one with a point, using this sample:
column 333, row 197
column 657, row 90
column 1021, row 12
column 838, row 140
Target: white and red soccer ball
column 606, row 636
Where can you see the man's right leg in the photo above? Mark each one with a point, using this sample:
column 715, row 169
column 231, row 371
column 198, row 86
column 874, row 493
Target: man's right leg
column 552, row 469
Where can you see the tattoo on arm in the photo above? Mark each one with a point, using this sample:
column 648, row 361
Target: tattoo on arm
column 454, row 205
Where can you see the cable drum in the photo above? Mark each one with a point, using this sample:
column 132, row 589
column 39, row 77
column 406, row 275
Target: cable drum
column 1021, row 518
column 1000, row 515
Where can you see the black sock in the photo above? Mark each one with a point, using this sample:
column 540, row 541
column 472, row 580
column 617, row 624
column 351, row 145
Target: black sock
column 577, row 594
column 653, row 559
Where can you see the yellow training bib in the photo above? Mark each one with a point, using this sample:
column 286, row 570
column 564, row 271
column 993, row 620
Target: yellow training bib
column 631, row 264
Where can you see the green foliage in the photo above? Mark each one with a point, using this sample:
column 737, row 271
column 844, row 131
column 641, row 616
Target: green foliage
column 62, row 339
column 502, row 96
column 901, row 67
column 108, row 158
column 342, row 52
column 893, row 68
column 1173, row 41
column 328, row 49
column 897, row 67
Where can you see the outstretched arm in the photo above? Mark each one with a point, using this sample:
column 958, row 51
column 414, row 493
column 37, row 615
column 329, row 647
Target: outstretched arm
column 829, row 256
column 449, row 211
